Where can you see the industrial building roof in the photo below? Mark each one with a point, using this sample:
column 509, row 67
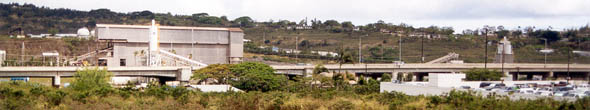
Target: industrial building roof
column 168, row 34
column 171, row 27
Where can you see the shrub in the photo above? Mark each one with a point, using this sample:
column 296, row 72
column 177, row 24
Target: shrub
column 56, row 97
column 257, row 77
column 91, row 80
column 319, row 69
column 477, row 74
column 342, row 105
column 386, row 77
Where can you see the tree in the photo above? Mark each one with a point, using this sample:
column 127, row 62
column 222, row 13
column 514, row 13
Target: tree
column 347, row 25
column 244, row 21
column 53, row 31
column 343, row 58
column 90, row 79
column 332, row 23
column 319, row 69
column 254, row 76
column 219, row 72
column 386, row 77
column 551, row 36
column 480, row 74
column 304, row 43
column 197, row 16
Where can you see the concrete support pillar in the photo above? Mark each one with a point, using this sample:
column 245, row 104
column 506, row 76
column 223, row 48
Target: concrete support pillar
column 56, row 81
column 414, row 77
column 184, row 74
column 550, row 75
column 529, row 76
column 508, row 76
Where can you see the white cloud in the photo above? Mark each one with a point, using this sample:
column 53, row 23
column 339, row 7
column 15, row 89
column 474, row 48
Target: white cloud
column 460, row 14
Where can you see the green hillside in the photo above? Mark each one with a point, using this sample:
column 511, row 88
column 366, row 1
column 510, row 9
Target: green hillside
column 328, row 35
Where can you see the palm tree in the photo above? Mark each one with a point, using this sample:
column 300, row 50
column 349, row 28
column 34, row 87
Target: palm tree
column 343, row 58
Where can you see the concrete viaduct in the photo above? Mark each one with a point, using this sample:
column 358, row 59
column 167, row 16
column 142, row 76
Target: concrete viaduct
column 577, row 71
column 179, row 73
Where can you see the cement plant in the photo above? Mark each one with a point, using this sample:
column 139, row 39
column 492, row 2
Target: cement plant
column 97, row 58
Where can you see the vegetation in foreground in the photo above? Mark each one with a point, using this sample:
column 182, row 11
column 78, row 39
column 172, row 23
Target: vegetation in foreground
column 91, row 90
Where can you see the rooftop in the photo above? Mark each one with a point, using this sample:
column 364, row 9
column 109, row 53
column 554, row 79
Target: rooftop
column 171, row 27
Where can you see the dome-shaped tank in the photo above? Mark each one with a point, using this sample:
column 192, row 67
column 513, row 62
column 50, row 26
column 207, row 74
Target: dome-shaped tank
column 83, row 32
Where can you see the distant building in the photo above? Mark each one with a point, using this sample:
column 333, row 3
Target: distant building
column 384, row 31
column 356, row 28
column 65, row 35
column 20, row 36
column 504, row 53
column 247, row 40
column 35, row 36
column 208, row 45
column 2, row 57
column 300, row 27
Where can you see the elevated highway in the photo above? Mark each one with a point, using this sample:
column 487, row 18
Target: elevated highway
column 546, row 70
column 579, row 71
column 180, row 73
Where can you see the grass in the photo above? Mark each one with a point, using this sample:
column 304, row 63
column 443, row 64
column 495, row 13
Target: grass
column 32, row 96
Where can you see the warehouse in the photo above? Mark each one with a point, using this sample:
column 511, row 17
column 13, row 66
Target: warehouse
column 128, row 44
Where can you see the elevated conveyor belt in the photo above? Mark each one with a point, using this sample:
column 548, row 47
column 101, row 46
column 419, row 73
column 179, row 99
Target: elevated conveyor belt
column 445, row 58
column 183, row 60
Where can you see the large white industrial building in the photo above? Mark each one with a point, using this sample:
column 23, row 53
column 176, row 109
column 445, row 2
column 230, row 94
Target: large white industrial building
column 128, row 45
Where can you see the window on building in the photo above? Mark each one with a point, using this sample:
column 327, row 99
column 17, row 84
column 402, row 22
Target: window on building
column 102, row 62
column 122, row 62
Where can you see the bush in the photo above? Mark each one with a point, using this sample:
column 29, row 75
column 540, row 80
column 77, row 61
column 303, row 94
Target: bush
column 56, row 97
column 319, row 69
column 91, row 80
column 253, row 76
column 342, row 105
column 386, row 77
column 477, row 74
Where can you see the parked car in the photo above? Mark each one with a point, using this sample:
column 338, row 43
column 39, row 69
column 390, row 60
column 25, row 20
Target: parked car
column 484, row 84
column 576, row 95
column 509, row 89
column 465, row 87
column 547, row 91
column 527, row 90
column 544, row 93
column 560, row 93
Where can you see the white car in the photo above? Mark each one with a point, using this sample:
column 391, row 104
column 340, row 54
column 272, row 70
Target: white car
column 544, row 93
column 527, row 90
column 575, row 95
column 560, row 93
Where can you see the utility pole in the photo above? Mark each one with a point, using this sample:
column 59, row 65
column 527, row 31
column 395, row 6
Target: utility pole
column 296, row 47
column 22, row 54
column 545, row 60
column 568, row 65
column 422, row 49
column 486, row 46
column 400, row 48
column 503, row 52
column 264, row 36
column 360, row 51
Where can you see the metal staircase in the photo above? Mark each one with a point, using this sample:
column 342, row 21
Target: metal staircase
column 89, row 54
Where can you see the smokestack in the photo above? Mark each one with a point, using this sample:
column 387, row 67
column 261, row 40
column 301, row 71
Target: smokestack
column 154, row 37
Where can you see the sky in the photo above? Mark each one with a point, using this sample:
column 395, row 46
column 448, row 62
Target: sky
column 459, row 14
